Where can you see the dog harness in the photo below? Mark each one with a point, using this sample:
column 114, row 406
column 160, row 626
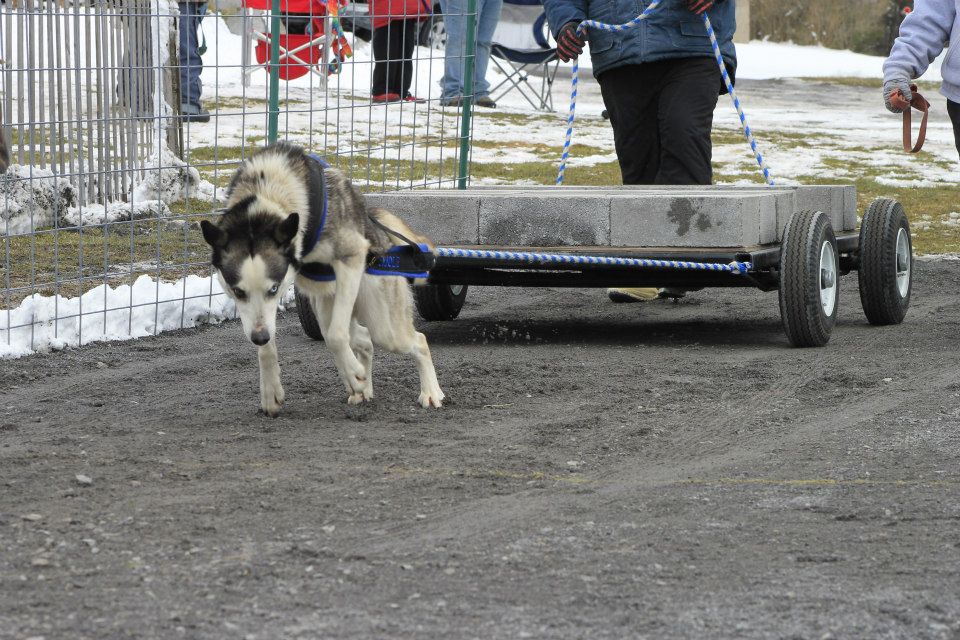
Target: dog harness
column 412, row 260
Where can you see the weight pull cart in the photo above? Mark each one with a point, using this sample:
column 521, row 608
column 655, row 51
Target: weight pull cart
column 789, row 244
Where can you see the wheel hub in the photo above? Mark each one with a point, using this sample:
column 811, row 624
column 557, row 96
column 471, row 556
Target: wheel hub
column 828, row 278
column 904, row 260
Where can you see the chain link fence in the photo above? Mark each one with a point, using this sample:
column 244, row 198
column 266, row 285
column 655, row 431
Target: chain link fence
column 112, row 160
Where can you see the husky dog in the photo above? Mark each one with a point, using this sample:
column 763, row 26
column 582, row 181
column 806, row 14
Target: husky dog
column 277, row 202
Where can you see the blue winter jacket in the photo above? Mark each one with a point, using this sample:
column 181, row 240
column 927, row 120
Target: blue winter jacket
column 671, row 31
column 924, row 33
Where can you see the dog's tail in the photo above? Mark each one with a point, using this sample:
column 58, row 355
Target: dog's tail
column 395, row 224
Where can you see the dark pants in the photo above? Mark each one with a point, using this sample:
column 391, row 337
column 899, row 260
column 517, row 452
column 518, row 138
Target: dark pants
column 954, row 110
column 662, row 116
column 191, row 13
column 392, row 49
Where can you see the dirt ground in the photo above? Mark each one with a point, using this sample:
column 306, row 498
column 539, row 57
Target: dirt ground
column 601, row 471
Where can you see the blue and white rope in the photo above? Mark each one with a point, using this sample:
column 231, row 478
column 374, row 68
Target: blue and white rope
column 526, row 257
column 575, row 72
column 736, row 101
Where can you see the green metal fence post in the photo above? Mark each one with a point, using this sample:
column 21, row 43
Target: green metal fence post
column 470, row 56
column 273, row 115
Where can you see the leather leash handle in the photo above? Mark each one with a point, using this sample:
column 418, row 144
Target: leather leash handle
column 920, row 104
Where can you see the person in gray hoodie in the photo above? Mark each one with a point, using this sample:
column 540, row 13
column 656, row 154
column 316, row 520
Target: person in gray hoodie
column 924, row 34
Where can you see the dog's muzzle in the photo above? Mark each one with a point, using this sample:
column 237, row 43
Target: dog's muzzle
column 260, row 337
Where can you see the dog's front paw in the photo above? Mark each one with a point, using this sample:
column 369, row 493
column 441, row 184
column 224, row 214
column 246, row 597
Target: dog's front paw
column 360, row 397
column 271, row 397
column 432, row 398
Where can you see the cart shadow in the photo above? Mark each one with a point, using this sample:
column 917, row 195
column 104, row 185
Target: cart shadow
column 608, row 332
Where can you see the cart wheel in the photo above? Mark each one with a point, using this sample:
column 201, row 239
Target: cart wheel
column 886, row 263
column 308, row 320
column 439, row 301
column 809, row 279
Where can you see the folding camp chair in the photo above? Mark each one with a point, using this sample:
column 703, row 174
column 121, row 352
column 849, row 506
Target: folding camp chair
column 312, row 40
column 521, row 44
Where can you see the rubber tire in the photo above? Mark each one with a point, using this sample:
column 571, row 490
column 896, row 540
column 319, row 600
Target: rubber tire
column 425, row 34
column 804, row 320
column 308, row 320
column 437, row 302
column 879, row 295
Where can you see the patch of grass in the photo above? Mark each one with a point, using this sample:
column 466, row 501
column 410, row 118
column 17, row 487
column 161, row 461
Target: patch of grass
column 867, row 83
column 936, row 203
column 207, row 156
column 224, row 103
column 70, row 262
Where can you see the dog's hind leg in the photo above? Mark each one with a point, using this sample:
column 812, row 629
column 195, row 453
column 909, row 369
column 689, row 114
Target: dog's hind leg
column 271, row 391
column 389, row 315
column 362, row 347
column 349, row 272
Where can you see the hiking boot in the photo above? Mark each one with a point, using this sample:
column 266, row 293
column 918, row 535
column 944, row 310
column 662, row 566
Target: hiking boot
column 486, row 101
column 633, row 294
column 386, row 97
column 455, row 101
column 197, row 116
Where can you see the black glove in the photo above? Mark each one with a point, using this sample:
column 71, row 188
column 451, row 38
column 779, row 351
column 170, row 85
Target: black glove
column 569, row 42
column 699, row 6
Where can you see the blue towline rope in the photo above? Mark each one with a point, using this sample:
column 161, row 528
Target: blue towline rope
column 748, row 134
column 736, row 268
column 575, row 72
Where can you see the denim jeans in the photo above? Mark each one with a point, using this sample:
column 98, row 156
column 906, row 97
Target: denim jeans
column 191, row 13
column 455, row 22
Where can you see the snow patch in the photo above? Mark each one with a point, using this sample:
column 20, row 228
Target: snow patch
column 168, row 178
column 32, row 198
column 44, row 323
column 93, row 214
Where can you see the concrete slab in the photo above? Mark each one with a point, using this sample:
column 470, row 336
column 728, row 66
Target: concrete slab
column 566, row 219
column 633, row 216
column 446, row 217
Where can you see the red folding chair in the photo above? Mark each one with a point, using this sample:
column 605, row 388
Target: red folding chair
column 312, row 41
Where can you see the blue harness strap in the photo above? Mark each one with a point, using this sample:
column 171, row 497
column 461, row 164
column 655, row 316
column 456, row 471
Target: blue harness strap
column 404, row 261
column 324, row 165
column 407, row 261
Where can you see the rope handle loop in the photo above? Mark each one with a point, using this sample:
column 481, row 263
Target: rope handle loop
column 922, row 105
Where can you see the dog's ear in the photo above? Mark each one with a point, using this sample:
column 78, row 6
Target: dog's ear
column 287, row 230
column 214, row 235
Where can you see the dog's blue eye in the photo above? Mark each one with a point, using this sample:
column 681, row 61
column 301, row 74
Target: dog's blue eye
column 274, row 289
column 240, row 293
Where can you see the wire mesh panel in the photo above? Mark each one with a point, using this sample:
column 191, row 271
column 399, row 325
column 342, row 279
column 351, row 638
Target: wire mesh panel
column 123, row 121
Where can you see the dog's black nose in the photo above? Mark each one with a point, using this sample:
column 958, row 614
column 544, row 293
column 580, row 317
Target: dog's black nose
column 260, row 337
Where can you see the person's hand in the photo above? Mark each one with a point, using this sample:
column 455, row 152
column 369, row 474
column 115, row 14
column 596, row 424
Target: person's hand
column 897, row 94
column 570, row 42
column 699, row 6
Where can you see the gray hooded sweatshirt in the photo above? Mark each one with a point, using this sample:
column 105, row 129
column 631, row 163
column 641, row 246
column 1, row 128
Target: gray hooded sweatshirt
column 933, row 25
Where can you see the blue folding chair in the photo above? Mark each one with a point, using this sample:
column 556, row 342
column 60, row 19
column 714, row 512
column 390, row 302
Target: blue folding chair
column 521, row 48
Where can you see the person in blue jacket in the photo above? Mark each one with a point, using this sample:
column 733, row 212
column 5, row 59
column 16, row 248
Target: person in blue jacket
column 923, row 35
column 660, row 84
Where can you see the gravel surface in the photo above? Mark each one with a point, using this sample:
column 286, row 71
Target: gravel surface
column 668, row 470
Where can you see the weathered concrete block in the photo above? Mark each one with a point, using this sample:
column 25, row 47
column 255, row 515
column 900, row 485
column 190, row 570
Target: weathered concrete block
column 664, row 220
column 557, row 219
column 445, row 218
column 850, row 212
column 641, row 216
column 827, row 199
